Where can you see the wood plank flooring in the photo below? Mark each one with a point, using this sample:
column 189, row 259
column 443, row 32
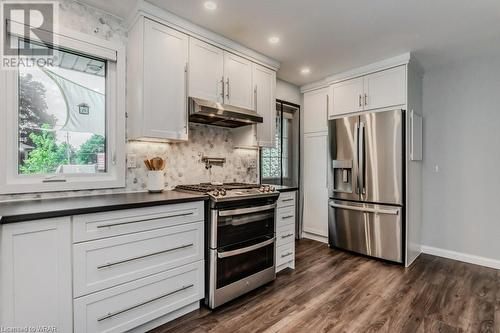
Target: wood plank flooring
column 333, row 291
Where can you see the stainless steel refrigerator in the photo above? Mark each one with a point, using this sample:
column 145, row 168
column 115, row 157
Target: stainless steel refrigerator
column 367, row 183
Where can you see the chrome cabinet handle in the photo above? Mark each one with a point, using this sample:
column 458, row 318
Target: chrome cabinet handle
column 142, row 220
column 143, row 256
column 233, row 253
column 366, row 99
column 255, row 97
column 223, row 89
column 286, row 254
column 287, row 217
column 227, row 92
column 289, row 199
column 186, row 98
column 286, row 236
column 359, row 100
column 113, row 314
column 249, row 210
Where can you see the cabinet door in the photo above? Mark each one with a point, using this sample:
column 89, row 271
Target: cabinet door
column 35, row 274
column 386, row 88
column 165, row 82
column 238, row 85
column 315, row 184
column 206, row 71
column 315, row 111
column 265, row 104
column 347, row 97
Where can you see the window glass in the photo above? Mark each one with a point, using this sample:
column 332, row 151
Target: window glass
column 62, row 116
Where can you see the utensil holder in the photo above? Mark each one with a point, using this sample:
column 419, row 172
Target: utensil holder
column 156, row 181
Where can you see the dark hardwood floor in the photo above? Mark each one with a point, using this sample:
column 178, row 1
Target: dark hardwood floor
column 333, row 291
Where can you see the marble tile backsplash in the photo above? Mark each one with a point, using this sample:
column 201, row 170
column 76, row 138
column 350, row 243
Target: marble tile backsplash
column 184, row 164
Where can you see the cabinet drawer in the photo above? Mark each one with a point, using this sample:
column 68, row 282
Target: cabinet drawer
column 285, row 253
column 108, row 262
column 286, row 199
column 285, row 235
column 114, row 223
column 285, row 216
column 124, row 307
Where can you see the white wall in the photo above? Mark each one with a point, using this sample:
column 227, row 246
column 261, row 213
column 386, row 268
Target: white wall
column 461, row 103
column 288, row 92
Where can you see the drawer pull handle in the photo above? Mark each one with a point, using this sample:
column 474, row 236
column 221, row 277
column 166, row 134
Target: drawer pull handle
column 143, row 256
column 144, row 220
column 287, row 217
column 286, row 236
column 285, row 200
column 286, row 254
column 112, row 314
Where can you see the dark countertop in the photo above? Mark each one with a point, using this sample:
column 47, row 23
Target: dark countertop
column 282, row 188
column 25, row 210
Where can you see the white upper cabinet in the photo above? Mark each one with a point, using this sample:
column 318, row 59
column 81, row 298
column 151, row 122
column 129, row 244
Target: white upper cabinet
column 158, row 92
column 206, row 71
column 386, row 88
column 238, row 88
column 379, row 90
column 265, row 104
column 316, row 110
column 347, row 96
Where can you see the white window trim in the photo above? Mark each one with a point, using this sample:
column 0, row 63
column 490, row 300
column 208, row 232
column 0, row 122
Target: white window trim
column 10, row 181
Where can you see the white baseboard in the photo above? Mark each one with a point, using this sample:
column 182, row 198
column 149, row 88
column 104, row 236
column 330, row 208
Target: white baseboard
column 317, row 238
column 469, row 258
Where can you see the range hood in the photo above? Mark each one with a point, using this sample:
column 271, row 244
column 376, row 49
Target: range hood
column 212, row 113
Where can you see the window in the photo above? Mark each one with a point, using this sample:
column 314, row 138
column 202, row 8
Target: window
column 278, row 165
column 64, row 130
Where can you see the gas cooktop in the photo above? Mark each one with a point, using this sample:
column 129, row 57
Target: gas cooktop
column 229, row 191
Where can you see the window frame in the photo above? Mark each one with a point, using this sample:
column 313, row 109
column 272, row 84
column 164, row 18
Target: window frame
column 11, row 182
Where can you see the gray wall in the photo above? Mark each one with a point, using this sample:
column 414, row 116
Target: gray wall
column 461, row 103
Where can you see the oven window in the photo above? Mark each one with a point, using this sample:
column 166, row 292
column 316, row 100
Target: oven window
column 235, row 268
column 236, row 229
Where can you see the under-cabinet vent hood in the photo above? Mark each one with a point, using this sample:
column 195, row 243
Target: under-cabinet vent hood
column 216, row 114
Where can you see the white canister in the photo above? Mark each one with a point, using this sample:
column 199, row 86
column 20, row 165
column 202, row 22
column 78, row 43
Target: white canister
column 156, row 181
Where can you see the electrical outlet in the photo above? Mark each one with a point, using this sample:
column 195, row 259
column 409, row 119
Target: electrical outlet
column 131, row 161
column 252, row 164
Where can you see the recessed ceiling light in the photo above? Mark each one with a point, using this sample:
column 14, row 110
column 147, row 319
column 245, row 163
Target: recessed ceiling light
column 274, row 39
column 305, row 70
column 210, row 5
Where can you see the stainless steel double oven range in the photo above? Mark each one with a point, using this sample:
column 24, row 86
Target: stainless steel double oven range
column 240, row 249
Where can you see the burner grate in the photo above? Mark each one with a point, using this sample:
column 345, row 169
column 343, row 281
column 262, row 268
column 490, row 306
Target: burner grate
column 207, row 187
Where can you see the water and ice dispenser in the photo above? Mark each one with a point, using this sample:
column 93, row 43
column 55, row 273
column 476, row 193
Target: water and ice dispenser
column 342, row 175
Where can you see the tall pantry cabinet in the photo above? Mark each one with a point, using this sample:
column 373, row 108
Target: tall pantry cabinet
column 315, row 214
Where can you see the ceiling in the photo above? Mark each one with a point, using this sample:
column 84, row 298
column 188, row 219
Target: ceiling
column 331, row 36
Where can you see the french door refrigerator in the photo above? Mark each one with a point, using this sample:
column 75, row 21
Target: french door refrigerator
column 366, row 184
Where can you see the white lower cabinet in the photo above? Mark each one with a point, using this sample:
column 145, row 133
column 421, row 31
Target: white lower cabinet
column 131, row 269
column 130, row 305
column 35, row 275
column 285, row 231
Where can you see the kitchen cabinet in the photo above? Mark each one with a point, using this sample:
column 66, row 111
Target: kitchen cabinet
column 157, row 82
column 238, row 89
column 265, row 104
column 347, row 97
column 285, row 230
column 316, row 110
column 206, row 71
column 383, row 89
column 35, row 274
column 315, row 184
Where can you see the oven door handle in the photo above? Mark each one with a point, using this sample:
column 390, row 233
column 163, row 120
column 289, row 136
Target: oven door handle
column 233, row 253
column 241, row 211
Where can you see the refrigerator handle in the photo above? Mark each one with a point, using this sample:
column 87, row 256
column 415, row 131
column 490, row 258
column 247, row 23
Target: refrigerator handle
column 361, row 158
column 356, row 158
